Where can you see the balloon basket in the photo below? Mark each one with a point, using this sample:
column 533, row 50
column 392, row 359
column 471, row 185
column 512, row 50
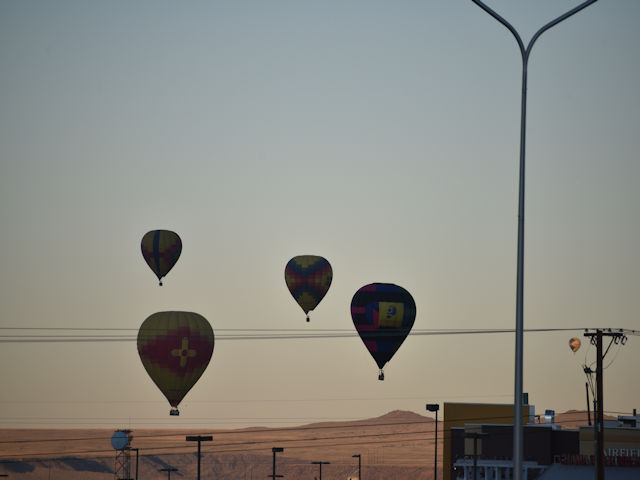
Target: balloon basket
column 174, row 412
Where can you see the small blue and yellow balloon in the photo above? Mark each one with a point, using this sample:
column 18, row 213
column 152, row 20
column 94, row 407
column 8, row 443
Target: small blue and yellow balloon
column 161, row 250
column 308, row 278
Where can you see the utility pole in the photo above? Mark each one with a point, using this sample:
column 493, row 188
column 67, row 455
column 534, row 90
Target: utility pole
column 596, row 339
column 320, row 464
column 199, row 439
column 596, row 424
column 275, row 450
column 586, row 386
column 600, row 396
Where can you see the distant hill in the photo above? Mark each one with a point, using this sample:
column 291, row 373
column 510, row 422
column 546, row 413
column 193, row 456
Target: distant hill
column 576, row 418
column 398, row 445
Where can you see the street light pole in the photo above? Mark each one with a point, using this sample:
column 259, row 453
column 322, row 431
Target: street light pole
column 525, row 52
column 168, row 470
column 434, row 407
column 275, row 450
column 359, row 466
column 320, row 465
column 137, row 451
column 199, row 439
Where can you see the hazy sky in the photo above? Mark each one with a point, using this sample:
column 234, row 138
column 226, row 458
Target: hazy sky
column 382, row 135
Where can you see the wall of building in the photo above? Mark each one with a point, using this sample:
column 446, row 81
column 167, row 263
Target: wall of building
column 459, row 414
column 542, row 443
column 615, row 439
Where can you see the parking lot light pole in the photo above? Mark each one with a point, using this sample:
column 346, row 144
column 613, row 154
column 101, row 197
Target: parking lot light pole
column 359, row 466
column 199, row 439
column 275, row 450
column 137, row 453
column 434, row 407
column 320, row 465
column 168, row 470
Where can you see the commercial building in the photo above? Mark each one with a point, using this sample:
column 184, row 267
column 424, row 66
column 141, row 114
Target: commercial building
column 479, row 437
column 457, row 415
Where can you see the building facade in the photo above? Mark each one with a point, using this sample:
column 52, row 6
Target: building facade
column 457, row 415
column 486, row 446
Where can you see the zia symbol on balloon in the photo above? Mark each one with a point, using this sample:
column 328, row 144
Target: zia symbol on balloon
column 184, row 353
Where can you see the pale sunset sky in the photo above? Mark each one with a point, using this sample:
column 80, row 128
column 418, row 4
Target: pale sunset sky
column 381, row 135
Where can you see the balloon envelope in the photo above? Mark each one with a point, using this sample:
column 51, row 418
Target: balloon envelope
column 175, row 349
column 574, row 344
column 308, row 278
column 161, row 250
column 383, row 314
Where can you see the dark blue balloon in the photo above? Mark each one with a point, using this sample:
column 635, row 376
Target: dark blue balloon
column 383, row 314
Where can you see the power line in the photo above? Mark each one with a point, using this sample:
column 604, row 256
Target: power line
column 261, row 401
column 246, row 334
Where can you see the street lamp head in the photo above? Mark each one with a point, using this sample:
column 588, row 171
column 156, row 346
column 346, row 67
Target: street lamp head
column 199, row 438
column 356, row 456
column 433, row 407
column 277, row 449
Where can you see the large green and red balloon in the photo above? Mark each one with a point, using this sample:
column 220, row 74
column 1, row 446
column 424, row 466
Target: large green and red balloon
column 175, row 349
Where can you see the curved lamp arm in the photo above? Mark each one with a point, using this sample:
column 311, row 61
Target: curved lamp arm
column 525, row 51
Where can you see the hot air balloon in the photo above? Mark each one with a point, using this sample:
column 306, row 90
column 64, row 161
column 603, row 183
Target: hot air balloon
column 308, row 278
column 383, row 314
column 161, row 250
column 575, row 344
column 175, row 349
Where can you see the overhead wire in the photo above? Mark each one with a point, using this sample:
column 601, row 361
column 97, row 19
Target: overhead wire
column 261, row 400
column 255, row 334
column 225, row 334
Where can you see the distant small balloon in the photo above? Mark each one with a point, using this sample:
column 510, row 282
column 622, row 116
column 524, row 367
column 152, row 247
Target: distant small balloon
column 161, row 250
column 575, row 344
column 308, row 278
